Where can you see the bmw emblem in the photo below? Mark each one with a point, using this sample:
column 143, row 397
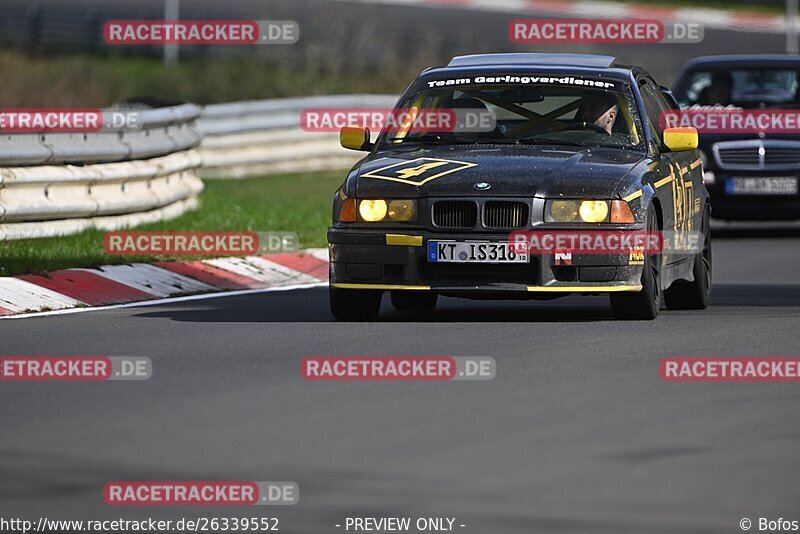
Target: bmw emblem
column 482, row 186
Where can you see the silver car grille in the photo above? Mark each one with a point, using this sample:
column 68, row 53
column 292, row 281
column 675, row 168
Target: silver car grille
column 757, row 154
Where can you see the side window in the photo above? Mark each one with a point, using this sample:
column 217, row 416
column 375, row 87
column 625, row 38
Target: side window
column 663, row 101
column 653, row 107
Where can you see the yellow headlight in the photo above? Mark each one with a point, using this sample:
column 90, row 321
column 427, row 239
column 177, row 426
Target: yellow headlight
column 372, row 210
column 594, row 211
column 402, row 210
column 564, row 210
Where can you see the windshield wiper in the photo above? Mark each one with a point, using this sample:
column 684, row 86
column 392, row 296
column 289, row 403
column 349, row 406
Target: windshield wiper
column 452, row 139
column 554, row 142
column 455, row 139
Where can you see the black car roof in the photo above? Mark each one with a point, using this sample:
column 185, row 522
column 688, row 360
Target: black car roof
column 742, row 60
column 533, row 60
column 584, row 64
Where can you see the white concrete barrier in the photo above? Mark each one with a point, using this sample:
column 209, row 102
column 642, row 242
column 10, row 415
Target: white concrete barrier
column 58, row 184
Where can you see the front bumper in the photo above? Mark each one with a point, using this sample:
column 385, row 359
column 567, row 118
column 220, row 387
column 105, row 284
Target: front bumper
column 388, row 260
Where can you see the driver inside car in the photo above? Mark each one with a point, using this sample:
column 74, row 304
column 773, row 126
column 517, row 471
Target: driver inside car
column 598, row 112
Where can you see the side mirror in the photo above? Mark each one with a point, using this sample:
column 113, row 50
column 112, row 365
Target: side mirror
column 680, row 139
column 355, row 138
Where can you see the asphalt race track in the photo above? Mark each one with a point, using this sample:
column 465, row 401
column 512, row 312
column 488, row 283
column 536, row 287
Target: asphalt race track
column 577, row 433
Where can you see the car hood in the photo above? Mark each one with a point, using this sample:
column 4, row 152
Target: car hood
column 569, row 172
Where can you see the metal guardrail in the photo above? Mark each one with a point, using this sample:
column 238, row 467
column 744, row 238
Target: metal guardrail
column 159, row 132
column 264, row 136
column 58, row 184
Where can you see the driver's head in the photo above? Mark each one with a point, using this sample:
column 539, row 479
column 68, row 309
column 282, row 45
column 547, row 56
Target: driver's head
column 599, row 109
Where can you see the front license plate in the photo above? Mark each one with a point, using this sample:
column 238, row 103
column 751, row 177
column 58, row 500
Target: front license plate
column 474, row 252
column 762, row 186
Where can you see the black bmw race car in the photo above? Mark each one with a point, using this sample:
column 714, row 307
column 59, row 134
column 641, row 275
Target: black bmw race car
column 575, row 146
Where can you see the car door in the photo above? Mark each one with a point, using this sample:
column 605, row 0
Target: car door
column 678, row 178
column 691, row 194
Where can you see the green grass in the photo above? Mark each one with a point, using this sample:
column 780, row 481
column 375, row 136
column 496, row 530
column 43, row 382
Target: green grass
column 298, row 203
column 85, row 80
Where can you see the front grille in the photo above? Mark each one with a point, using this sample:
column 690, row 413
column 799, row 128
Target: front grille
column 476, row 274
column 739, row 156
column 455, row 214
column 765, row 154
column 781, row 156
column 505, row 214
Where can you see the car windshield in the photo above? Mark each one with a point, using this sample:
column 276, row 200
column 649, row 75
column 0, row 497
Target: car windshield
column 564, row 113
column 745, row 88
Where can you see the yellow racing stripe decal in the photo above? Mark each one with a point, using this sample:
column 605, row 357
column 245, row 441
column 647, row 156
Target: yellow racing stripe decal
column 535, row 289
column 665, row 181
column 404, row 240
column 583, row 289
column 633, row 196
column 385, row 287
column 696, row 163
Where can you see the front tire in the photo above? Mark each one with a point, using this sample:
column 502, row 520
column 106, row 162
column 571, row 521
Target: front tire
column 645, row 304
column 695, row 295
column 359, row 305
column 414, row 300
